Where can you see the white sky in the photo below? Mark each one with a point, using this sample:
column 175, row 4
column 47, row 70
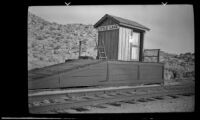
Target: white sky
column 172, row 26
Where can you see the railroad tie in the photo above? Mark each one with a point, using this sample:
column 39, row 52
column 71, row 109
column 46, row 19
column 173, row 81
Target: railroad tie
column 142, row 100
column 114, row 104
column 99, row 106
column 173, row 96
column 80, row 109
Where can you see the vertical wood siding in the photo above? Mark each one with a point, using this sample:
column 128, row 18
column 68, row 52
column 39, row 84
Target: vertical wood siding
column 124, row 46
column 108, row 22
column 110, row 38
column 117, row 41
column 141, row 46
column 121, row 73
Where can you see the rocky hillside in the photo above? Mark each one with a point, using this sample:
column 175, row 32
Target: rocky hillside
column 176, row 66
column 52, row 43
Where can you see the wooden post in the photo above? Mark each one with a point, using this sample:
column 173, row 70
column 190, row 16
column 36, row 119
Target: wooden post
column 138, row 72
column 158, row 58
column 107, row 74
column 163, row 75
column 79, row 49
column 59, row 80
column 141, row 46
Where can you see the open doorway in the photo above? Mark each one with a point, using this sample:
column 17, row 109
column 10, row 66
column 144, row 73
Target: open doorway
column 134, row 45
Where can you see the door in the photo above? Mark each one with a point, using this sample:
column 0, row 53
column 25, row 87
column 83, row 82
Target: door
column 134, row 42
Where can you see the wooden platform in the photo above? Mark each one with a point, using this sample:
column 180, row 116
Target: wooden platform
column 59, row 68
column 95, row 73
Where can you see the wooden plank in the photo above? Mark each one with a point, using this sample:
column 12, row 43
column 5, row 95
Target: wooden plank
column 124, row 77
column 48, row 82
column 120, row 44
column 81, row 81
column 120, row 72
column 54, row 69
column 97, row 70
column 116, row 45
column 87, row 72
column 107, row 21
column 108, row 27
column 85, row 76
column 128, row 47
column 141, row 45
column 128, row 44
column 111, row 45
column 150, row 72
column 107, row 39
column 122, row 38
column 128, row 83
column 106, row 43
column 123, row 43
column 123, row 72
column 112, row 37
column 124, row 47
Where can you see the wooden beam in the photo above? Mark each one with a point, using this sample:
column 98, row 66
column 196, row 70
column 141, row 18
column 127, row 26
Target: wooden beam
column 79, row 49
column 141, row 46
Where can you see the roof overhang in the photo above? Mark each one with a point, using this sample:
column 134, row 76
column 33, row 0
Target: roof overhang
column 119, row 23
column 131, row 26
column 103, row 18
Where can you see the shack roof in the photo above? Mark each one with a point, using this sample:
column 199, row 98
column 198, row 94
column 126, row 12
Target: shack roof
column 121, row 21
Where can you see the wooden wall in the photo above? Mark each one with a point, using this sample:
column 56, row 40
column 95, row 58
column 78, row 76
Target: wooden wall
column 124, row 46
column 134, row 73
column 117, row 41
column 108, row 22
column 110, row 38
column 87, row 76
column 141, row 45
column 120, row 73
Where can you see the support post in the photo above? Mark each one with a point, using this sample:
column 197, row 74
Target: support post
column 141, row 46
column 59, row 80
column 158, row 59
column 107, row 74
column 80, row 42
column 138, row 72
column 163, row 75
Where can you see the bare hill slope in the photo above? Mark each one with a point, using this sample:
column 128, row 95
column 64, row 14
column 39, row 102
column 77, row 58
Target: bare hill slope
column 52, row 43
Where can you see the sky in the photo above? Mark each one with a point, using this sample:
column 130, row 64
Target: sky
column 172, row 26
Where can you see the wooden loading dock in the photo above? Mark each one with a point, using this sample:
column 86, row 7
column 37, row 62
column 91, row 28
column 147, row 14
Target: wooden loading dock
column 93, row 73
column 122, row 41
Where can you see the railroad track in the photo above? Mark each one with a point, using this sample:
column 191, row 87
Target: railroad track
column 58, row 103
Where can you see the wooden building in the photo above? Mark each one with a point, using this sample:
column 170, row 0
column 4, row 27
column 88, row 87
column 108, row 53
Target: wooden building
column 123, row 39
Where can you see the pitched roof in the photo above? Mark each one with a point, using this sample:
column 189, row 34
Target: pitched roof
column 122, row 21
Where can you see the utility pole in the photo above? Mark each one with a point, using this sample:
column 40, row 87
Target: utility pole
column 80, row 42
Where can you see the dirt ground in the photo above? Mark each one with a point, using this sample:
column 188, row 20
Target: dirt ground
column 181, row 104
column 168, row 104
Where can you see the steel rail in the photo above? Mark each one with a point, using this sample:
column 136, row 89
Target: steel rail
column 99, row 100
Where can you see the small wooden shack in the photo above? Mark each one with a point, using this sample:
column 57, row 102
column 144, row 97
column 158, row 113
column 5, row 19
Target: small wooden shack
column 122, row 38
